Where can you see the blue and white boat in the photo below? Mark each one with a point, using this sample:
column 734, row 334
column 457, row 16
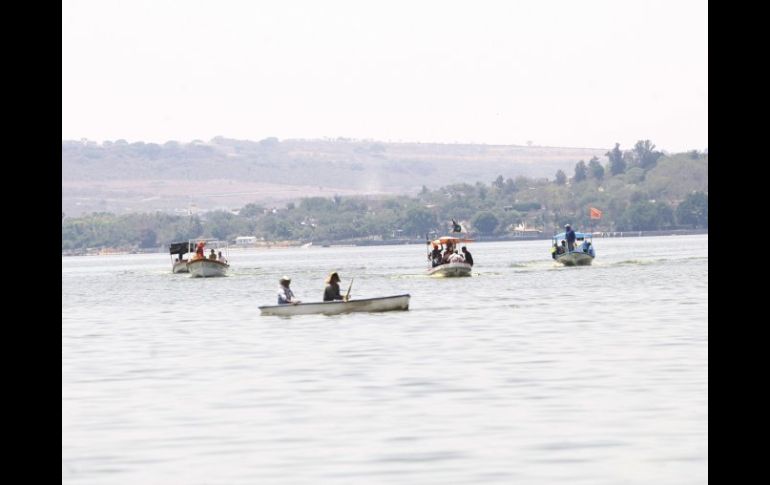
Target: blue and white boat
column 582, row 254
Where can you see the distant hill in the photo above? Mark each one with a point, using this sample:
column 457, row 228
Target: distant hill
column 225, row 173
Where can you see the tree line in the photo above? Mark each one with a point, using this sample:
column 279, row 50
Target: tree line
column 637, row 190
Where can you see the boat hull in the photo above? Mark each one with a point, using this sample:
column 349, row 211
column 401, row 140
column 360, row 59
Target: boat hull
column 180, row 267
column 207, row 268
column 383, row 304
column 449, row 270
column 575, row 259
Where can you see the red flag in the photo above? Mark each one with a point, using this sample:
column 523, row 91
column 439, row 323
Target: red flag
column 596, row 213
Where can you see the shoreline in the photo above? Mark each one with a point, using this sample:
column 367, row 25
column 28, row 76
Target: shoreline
column 385, row 242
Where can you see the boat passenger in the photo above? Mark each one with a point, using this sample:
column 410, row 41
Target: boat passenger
column 213, row 254
column 332, row 290
column 435, row 256
column 468, row 256
column 570, row 237
column 285, row 295
column 221, row 258
column 199, row 250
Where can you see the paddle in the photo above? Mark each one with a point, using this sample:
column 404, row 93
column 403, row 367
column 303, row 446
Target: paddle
column 347, row 295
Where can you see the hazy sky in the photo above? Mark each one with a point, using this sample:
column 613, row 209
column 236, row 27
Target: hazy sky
column 557, row 73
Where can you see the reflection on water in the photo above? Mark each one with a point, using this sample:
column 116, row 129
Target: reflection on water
column 527, row 372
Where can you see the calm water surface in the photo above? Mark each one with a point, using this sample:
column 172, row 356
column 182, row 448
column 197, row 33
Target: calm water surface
column 525, row 373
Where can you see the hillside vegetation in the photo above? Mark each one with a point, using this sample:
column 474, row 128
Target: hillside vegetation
column 637, row 190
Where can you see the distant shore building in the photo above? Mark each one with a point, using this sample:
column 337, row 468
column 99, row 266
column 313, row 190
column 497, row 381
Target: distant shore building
column 523, row 231
column 245, row 240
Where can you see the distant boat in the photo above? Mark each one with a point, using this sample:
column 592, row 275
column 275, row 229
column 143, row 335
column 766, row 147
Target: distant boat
column 200, row 266
column 179, row 265
column 307, row 245
column 447, row 270
column 381, row 304
column 582, row 255
column 456, row 265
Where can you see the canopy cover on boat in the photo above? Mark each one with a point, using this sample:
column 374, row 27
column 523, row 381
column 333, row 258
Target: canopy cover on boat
column 578, row 235
column 179, row 248
column 451, row 240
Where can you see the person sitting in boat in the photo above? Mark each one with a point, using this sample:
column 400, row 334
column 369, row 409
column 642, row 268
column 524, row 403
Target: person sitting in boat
column 199, row 250
column 467, row 255
column 213, row 254
column 285, row 295
column 563, row 248
column 456, row 258
column 221, row 258
column 332, row 290
column 588, row 248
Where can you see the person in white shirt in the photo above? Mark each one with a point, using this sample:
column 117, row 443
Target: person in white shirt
column 285, row 295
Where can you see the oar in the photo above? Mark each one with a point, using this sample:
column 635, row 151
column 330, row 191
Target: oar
column 347, row 295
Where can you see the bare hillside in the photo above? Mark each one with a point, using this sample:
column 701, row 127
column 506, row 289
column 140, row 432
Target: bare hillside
column 224, row 173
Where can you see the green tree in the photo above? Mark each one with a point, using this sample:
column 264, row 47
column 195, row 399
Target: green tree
column 251, row 210
column 561, row 177
column 418, row 221
column 596, row 169
column 148, row 239
column 485, row 222
column 645, row 155
column 510, row 186
column 581, row 171
column 641, row 216
column 694, row 210
column 617, row 165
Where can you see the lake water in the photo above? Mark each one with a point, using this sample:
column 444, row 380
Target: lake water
column 525, row 373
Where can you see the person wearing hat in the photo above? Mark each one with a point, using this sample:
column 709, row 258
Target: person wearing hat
column 285, row 295
column 570, row 237
column 332, row 291
column 199, row 250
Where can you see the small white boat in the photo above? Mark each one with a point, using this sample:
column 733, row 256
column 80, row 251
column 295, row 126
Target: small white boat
column 583, row 253
column 205, row 268
column 202, row 266
column 450, row 270
column 381, row 304
column 456, row 265
column 179, row 265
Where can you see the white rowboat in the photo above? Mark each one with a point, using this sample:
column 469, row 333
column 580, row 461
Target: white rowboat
column 381, row 304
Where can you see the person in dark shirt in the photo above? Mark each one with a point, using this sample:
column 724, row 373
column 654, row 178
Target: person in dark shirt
column 570, row 237
column 332, row 291
column 435, row 256
column 468, row 256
